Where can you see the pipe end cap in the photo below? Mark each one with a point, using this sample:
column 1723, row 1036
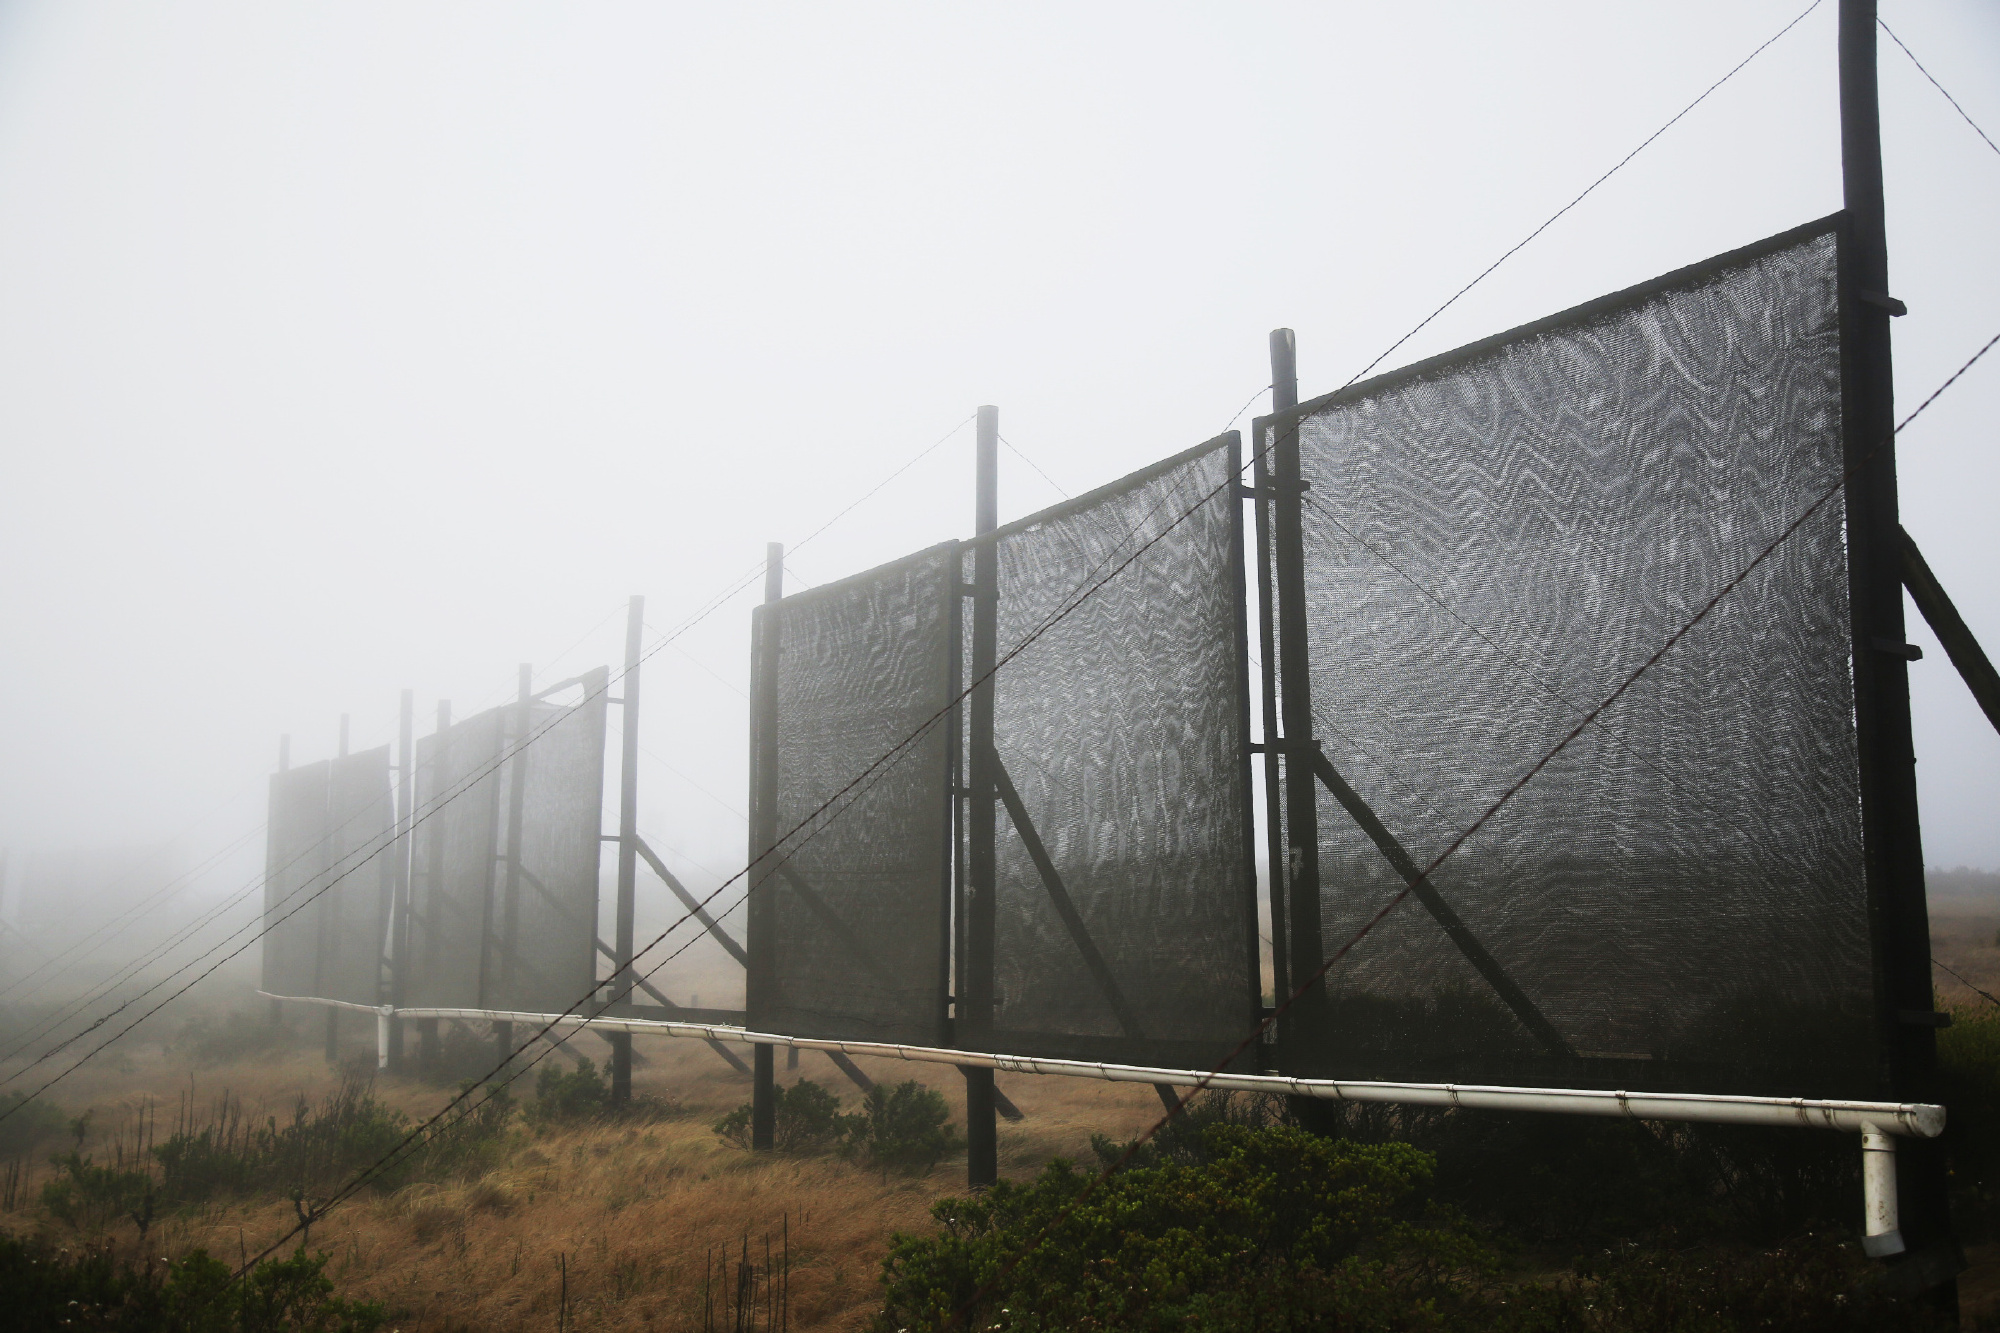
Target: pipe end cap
column 1884, row 1246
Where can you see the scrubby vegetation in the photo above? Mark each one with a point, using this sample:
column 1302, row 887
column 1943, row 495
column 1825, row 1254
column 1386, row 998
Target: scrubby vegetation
column 1276, row 1228
column 48, row 1287
column 906, row 1128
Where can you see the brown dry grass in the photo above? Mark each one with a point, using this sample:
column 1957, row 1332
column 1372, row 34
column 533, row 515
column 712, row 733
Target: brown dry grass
column 633, row 1210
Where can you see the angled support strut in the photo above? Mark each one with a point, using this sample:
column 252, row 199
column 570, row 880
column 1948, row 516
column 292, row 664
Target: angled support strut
column 1468, row 944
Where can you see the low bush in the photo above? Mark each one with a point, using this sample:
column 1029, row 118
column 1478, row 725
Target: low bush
column 26, row 1125
column 1277, row 1228
column 90, row 1288
column 807, row 1120
column 906, row 1128
column 320, row 1147
column 238, row 1034
column 583, row 1095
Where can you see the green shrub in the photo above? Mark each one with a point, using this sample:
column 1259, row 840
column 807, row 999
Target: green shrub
column 807, row 1119
column 320, row 1147
column 26, row 1125
column 90, row 1288
column 90, row 1197
column 1810, row 1286
column 239, row 1034
column 1278, row 1228
column 1183, row 1139
column 562, row 1098
column 906, row 1128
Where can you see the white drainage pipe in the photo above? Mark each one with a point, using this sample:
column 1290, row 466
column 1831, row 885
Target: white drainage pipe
column 1880, row 1237
column 1877, row 1122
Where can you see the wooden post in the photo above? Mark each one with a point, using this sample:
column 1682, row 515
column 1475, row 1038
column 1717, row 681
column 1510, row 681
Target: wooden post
column 326, row 905
column 975, row 988
column 1301, row 869
column 1890, row 827
column 427, row 1029
column 760, row 975
column 399, row 906
column 517, row 801
column 628, row 846
column 1275, row 883
column 284, row 766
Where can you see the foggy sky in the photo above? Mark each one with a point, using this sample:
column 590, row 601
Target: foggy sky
column 345, row 348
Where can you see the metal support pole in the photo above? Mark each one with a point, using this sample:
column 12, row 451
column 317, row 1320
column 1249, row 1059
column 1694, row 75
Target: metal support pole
column 399, row 907
column 284, row 766
column 628, row 845
column 427, row 1028
column 325, row 903
column 1301, row 869
column 975, row 989
column 1891, row 833
column 760, row 975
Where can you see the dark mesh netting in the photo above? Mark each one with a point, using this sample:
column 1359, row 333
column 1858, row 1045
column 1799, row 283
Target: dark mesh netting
column 295, row 861
column 354, row 911
column 1122, row 728
column 1493, row 542
column 457, row 847
column 546, row 928
column 326, row 880
column 859, row 894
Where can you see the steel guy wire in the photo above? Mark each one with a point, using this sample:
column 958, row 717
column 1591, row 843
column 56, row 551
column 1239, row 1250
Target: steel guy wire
column 751, row 577
column 1466, row 834
column 1947, row 97
column 1233, row 480
column 1015, row 450
column 125, row 972
column 1961, row 980
column 361, row 1178
column 626, row 976
column 1063, row 612
column 708, row 609
column 1522, row 243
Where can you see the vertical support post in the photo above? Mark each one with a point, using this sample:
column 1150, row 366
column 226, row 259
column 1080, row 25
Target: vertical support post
column 1890, row 827
column 628, row 845
column 1254, row 959
column 975, row 988
column 510, row 904
column 325, row 902
column 761, row 975
column 284, row 766
column 427, row 1028
column 399, row 906
column 953, row 941
column 1276, row 884
column 1301, row 868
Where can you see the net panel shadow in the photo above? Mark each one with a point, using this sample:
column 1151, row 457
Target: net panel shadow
column 457, row 849
column 545, row 942
column 859, row 893
column 295, row 862
column 354, row 911
column 1493, row 542
column 1122, row 728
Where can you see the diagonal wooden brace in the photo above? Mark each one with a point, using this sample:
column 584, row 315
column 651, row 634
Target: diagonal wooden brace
column 1072, row 920
column 689, row 901
column 1945, row 622
column 1426, row 893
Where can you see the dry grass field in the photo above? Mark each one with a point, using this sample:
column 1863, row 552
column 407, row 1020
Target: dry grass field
column 622, row 1216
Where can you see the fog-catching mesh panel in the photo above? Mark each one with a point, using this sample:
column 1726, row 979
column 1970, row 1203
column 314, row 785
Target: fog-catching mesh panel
column 295, row 860
column 545, row 958
column 1122, row 729
column 457, row 844
column 859, row 900
column 1492, row 544
column 353, row 912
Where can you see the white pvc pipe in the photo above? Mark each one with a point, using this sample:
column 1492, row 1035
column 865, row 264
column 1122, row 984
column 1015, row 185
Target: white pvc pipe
column 1913, row 1118
column 1880, row 1233
column 382, row 1017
